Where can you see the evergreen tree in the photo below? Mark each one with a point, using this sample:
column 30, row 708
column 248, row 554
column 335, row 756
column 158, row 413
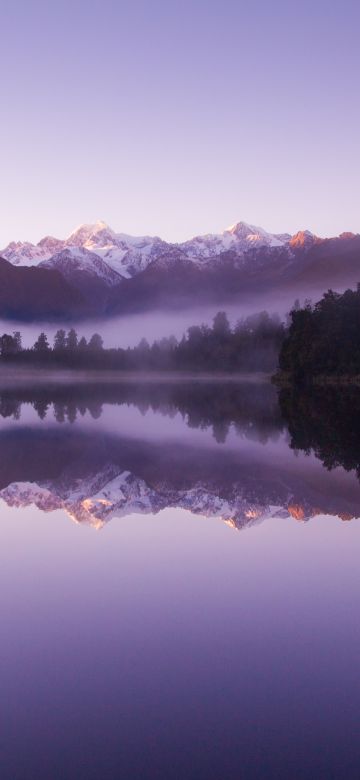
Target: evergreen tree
column 8, row 345
column 72, row 340
column 17, row 340
column 42, row 344
column 60, row 340
column 143, row 346
column 221, row 325
column 96, row 343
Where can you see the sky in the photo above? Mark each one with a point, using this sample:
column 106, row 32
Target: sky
column 179, row 117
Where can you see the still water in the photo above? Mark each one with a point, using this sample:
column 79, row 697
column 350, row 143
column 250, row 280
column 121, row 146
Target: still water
column 179, row 581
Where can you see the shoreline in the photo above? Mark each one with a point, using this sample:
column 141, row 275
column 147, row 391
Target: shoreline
column 21, row 376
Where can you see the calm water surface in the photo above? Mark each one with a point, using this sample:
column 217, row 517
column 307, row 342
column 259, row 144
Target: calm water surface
column 179, row 582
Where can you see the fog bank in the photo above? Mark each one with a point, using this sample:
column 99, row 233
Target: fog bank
column 126, row 331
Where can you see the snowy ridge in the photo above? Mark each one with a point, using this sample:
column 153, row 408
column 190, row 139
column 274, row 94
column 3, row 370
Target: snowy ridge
column 98, row 250
column 75, row 259
column 24, row 253
column 239, row 238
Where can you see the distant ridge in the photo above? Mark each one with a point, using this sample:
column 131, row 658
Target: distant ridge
column 129, row 255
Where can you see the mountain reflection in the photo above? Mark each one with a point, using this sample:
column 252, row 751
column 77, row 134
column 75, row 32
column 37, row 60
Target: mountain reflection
column 94, row 473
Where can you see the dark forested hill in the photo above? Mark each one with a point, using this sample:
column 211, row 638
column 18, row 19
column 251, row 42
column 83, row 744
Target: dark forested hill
column 323, row 339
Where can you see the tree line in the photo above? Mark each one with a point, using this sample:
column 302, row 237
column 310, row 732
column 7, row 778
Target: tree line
column 63, row 342
column 251, row 345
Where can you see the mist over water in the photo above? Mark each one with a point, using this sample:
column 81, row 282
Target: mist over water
column 128, row 330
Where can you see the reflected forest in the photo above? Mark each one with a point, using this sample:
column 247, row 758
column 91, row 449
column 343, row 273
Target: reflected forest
column 252, row 410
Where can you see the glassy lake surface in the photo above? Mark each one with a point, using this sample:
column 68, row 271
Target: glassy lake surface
column 179, row 581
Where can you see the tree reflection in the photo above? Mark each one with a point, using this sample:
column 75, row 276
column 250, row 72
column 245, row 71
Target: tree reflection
column 325, row 421
column 251, row 410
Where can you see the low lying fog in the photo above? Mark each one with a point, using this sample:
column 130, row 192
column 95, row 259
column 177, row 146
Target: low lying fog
column 124, row 331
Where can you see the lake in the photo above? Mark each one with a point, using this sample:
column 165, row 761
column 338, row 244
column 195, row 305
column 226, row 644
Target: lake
column 179, row 580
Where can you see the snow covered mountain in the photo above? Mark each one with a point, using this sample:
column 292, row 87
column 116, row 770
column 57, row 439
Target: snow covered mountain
column 115, row 273
column 70, row 261
column 127, row 256
column 25, row 253
column 119, row 255
column 239, row 238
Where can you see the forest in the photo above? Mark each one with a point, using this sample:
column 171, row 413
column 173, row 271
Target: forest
column 323, row 339
column 252, row 345
column 317, row 341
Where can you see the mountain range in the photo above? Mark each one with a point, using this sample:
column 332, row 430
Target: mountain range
column 96, row 271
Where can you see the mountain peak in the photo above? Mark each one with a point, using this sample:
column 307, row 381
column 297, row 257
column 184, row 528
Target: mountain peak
column 242, row 229
column 86, row 231
column 347, row 234
column 302, row 239
column 253, row 235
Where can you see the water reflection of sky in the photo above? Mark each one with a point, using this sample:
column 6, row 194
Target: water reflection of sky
column 167, row 644
column 170, row 646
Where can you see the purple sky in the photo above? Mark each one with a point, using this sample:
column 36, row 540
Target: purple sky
column 175, row 118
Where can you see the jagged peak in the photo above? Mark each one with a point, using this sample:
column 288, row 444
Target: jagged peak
column 49, row 242
column 302, row 238
column 87, row 230
column 19, row 245
column 253, row 235
column 243, row 228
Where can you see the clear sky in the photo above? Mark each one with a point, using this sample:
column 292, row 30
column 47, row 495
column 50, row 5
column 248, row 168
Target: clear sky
column 178, row 117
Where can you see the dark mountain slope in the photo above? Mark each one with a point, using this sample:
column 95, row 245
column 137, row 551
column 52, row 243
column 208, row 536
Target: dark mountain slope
column 332, row 262
column 37, row 293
